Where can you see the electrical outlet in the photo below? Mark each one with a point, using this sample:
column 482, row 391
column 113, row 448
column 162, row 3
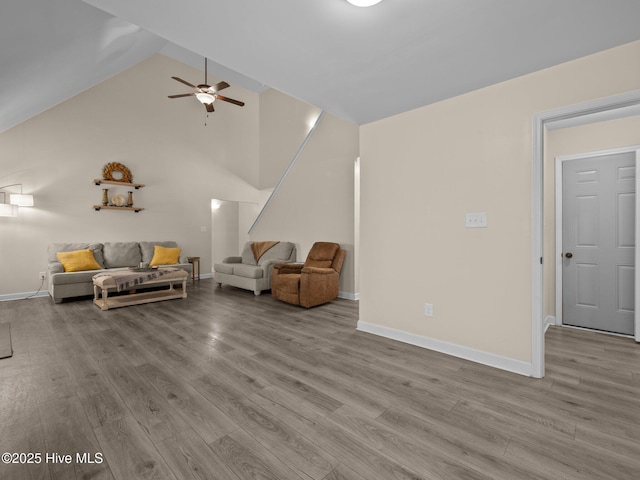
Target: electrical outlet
column 428, row 310
column 41, row 275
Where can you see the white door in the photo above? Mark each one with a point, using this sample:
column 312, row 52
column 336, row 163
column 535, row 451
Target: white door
column 598, row 242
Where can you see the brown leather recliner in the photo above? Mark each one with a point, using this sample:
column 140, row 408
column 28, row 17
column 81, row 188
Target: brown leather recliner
column 311, row 284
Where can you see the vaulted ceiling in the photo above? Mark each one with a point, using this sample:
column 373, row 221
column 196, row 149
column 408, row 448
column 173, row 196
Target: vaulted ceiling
column 361, row 64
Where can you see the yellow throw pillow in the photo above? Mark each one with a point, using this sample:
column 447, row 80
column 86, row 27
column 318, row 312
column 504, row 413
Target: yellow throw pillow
column 78, row 261
column 164, row 256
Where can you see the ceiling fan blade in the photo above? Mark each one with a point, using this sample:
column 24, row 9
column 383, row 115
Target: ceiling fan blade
column 209, row 107
column 182, row 95
column 185, row 82
column 230, row 100
column 218, row 86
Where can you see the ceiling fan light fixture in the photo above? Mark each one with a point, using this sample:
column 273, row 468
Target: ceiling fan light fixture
column 205, row 98
column 205, row 93
column 363, row 3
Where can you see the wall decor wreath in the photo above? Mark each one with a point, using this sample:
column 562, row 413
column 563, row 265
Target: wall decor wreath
column 117, row 172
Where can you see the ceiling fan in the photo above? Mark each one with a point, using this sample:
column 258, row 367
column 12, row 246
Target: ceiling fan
column 205, row 93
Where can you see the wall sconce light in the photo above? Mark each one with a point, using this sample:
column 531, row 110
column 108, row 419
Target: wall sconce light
column 7, row 210
column 21, row 200
column 15, row 200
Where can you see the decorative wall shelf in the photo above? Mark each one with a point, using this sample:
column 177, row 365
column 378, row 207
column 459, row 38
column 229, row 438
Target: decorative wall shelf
column 99, row 181
column 97, row 208
column 122, row 204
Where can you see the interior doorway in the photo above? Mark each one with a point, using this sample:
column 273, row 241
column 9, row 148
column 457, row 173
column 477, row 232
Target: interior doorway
column 614, row 107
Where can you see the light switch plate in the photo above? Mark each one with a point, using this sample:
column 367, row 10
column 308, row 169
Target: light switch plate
column 476, row 220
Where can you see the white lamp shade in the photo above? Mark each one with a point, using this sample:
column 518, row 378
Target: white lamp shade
column 363, row 3
column 7, row 210
column 21, row 200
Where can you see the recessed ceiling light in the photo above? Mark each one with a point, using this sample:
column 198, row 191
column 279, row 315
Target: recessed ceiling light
column 363, row 3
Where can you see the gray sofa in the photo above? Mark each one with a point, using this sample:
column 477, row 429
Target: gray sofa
column 109, row 255
column 250, row 274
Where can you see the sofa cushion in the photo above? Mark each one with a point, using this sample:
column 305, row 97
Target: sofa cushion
column 289, row 285
column 54, row 248
column 165, row 256
column 78, row 260
column 73, row 277
column 247, row 255
column 121, row 254
column 280, row 252
column 224, row 268
column 148, row 249
column 247, row 271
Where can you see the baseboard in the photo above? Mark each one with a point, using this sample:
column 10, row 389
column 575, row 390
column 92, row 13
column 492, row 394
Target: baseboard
column 349, row 296
column 21, row 296
column 206, row 275
column 548, row 321
column 485, row 358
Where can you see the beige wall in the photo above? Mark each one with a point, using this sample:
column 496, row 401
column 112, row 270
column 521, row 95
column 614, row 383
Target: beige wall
column 284, row 124
column 316, row 201
column 570, row 141
column 423, row 170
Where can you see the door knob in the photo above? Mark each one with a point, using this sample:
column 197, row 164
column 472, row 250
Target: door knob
column 568, row 254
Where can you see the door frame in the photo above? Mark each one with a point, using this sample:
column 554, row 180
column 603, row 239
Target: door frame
column 559, row 222
column 540, row 122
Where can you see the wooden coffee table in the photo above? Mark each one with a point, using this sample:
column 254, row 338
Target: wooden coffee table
column 102, row 284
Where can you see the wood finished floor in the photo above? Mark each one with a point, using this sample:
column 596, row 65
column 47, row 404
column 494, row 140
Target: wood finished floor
column 225, row 385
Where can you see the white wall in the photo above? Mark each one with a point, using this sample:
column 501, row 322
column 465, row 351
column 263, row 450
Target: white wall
column 230, row 224
column 284, row 124
column 164, row 142
column 225, row 230
column 316, row 201
column 421, row 171
column 247, row 214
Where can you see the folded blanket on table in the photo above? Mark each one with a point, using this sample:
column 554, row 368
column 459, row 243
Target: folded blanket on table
column 126, row 279
column 259, row 248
